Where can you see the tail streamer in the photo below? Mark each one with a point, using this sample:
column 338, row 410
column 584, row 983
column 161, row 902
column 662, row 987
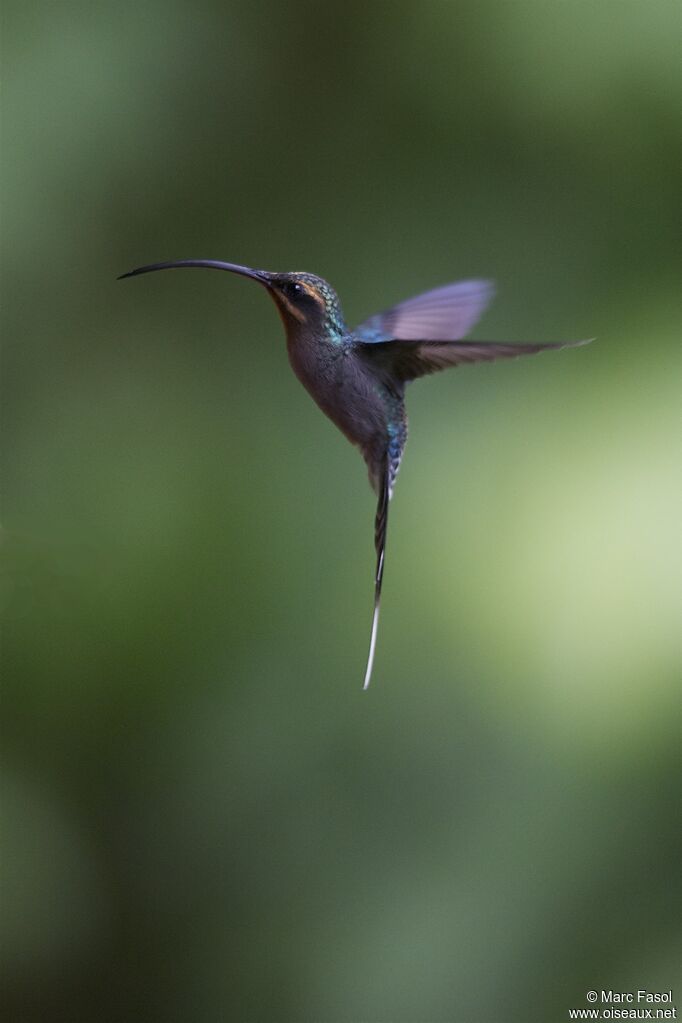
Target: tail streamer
column 380, row 527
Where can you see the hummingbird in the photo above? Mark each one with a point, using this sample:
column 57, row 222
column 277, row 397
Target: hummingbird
column 358, row 376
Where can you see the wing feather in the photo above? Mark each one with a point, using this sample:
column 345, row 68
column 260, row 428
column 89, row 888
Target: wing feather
column 406, row 361
column 443, row 314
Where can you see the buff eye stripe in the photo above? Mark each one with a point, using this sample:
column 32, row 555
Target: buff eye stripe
column 314, row 294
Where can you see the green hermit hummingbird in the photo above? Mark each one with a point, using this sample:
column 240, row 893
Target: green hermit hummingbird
column 358, row 376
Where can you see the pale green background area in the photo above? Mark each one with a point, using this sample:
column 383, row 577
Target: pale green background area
column 205, row 817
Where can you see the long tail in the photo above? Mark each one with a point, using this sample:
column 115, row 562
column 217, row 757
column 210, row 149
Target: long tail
column 380, row 526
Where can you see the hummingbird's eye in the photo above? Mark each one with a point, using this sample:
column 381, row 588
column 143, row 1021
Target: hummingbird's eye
column 294, row 289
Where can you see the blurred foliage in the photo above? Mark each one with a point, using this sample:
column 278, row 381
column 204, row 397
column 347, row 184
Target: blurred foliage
column 204, row 816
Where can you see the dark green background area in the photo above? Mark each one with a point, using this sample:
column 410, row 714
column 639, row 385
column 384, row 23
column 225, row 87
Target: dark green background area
column 204, row 817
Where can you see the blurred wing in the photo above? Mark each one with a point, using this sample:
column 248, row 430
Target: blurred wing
column 407, row 361
column 444, row 314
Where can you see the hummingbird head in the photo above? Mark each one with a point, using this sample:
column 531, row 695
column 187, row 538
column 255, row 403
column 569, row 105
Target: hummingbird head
column 305, row 301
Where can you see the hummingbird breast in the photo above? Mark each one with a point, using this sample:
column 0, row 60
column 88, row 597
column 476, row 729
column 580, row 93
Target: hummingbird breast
column 350, row 394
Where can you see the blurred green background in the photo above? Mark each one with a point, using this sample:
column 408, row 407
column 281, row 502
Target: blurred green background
column 204, row 817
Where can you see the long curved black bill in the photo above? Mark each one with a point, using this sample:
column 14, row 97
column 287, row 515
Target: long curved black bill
column 210, row 264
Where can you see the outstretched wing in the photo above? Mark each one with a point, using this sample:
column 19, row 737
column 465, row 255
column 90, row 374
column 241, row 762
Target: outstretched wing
column 444, row 314
column 407, row 360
